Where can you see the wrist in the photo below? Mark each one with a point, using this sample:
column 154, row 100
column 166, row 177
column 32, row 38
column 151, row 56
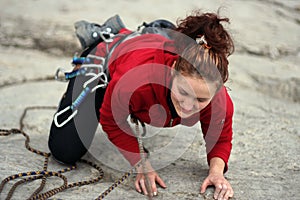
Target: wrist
column 144, row 169
column 216, row 166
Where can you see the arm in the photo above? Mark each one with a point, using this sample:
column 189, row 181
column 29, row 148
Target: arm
column 114, row 113
column 114, row 123
column 217, row 130
column 216, row 124
column 128, row 74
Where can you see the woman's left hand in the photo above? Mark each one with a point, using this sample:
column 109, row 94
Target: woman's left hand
column 223, row 189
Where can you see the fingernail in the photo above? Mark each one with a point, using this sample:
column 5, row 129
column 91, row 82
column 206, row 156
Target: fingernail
column 154, row 193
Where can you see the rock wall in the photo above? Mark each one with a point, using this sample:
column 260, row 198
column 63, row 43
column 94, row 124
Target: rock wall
column 37, row 36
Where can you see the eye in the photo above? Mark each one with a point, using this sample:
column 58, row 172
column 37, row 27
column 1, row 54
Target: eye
column 182, row 92
column 201, row 100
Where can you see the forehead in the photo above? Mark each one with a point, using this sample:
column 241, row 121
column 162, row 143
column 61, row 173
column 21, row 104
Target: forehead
column 197, row 87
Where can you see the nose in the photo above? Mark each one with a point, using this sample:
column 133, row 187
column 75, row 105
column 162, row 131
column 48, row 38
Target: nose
column 187, row 104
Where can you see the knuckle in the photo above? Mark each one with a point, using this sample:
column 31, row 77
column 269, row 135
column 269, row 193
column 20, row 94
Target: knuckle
column 153, row 185
column 219, row 186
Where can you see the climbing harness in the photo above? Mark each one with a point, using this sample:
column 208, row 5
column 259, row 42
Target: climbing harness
column 97, row 67
column 95, row 71
column 91, row 65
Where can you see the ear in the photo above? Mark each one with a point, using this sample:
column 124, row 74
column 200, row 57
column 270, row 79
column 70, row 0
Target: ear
column 173, row 68
column 173, row 65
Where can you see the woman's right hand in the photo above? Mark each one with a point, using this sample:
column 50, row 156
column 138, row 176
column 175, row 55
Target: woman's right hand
column 153, row 177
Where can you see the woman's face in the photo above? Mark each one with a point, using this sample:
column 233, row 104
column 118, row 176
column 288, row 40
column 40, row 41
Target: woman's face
column 190, row 95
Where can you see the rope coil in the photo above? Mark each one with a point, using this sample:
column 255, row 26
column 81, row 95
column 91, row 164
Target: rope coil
column 44, row 174
column 99, row 72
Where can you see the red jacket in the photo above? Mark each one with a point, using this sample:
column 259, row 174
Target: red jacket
column 140, row 86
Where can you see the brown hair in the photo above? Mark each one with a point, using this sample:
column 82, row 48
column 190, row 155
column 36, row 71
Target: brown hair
column 202, row 60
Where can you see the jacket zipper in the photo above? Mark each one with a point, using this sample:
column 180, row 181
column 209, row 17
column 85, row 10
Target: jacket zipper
column 171, row 122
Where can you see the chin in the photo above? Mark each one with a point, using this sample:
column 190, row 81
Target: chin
column 185, row 115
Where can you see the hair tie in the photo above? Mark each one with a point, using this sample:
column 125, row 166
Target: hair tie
column 202, row 41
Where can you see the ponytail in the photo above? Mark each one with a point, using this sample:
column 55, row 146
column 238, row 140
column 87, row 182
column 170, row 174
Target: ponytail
column 209, row 25
column 215, row 40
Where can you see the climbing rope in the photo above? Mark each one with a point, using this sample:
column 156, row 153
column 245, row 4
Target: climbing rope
column 95, row 67
column 44, row 174
column 143, row 159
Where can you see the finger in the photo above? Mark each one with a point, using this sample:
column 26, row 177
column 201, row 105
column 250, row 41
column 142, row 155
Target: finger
column 160, row 182
column 223, row 192
column 217, row 191
column 204, row 186
column 228, row 193
column 231, row 193
column 153, row 186
column 148, row 184
column 143, row 186
column 137, row 185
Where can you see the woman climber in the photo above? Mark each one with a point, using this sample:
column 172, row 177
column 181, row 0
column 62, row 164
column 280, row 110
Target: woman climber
column 162, row 80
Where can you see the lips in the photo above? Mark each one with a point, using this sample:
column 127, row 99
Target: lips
column 185, row 111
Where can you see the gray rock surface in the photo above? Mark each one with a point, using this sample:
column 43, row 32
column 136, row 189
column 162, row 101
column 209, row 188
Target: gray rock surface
column 38, row 36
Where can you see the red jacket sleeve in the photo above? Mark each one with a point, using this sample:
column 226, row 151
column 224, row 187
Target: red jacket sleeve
column 216, row 124
column 114, row 123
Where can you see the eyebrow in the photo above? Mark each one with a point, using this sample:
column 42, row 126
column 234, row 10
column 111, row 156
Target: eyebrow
column 198, row 98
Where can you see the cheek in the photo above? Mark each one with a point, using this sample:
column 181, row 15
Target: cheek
column 174, row 98
column 178, row 97
column 202, row 105
column 175, row 95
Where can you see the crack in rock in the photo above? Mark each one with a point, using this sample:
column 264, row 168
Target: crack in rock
column 267, row 51
column 47, row 37
column 276, row 87
column 23, row 81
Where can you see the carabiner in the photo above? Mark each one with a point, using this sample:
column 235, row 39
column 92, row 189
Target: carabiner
column 59, row 76
column 96, row 57
column 68, row 75
column 93, row 66
column 104, row 81
column 80, row 60
column 67, row 120
column 95, row 77
column 74, row 106
column 72, row 74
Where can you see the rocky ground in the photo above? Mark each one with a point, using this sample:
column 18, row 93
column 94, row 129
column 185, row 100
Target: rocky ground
column 37, row 36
